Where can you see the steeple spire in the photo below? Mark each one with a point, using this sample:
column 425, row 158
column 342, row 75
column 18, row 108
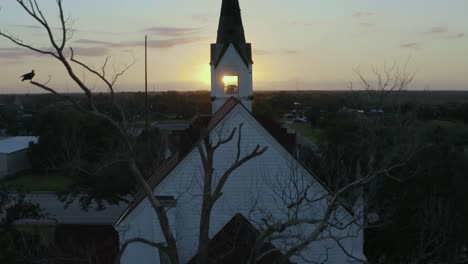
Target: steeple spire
column 231, row 31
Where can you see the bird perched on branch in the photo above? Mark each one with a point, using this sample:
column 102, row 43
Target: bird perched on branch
column 28, row 76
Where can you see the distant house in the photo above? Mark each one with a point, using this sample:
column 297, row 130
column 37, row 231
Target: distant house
column 14, row 155
column 345, row 109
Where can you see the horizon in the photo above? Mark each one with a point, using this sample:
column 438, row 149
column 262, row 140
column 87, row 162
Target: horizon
column 320, row 42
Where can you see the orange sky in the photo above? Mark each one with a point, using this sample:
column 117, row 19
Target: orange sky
column 305, row 44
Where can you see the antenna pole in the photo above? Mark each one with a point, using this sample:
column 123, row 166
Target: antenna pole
column 146, row 82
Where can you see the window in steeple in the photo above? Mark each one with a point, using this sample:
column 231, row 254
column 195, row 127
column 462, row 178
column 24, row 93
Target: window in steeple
column 231, row 84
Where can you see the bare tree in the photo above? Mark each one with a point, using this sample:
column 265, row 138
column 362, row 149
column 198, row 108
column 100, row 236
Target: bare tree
column 378, row 147
column 384, row 86
column 207, row 148
column 213, row 191
column 312, row 214
column 59, row 43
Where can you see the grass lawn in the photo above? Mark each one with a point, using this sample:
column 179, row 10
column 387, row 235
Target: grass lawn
column 55, row 182
column 442, row 123
column 307, row 131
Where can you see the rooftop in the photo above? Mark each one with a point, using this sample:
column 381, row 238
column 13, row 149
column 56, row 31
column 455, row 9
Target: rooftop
column 14, row 144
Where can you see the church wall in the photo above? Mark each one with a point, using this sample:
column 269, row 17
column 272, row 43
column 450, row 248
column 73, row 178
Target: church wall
column 253, row 189
column 142, row 222
column 231, row 64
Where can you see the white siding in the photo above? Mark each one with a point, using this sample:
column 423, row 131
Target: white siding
column 253, row 190
column 18, row 161
column 231, row 64
column 13, row 163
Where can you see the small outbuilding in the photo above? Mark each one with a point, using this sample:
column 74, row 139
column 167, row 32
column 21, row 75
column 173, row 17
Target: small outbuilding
column 14, row 155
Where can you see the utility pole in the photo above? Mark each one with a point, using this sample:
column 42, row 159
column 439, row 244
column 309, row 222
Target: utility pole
column 146, row 84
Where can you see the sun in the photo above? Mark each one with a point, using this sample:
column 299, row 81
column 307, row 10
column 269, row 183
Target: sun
column 204, row 74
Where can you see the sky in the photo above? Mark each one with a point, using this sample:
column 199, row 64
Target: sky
column 297, row 44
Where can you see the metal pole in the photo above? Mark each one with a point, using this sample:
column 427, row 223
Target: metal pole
column 146, row 82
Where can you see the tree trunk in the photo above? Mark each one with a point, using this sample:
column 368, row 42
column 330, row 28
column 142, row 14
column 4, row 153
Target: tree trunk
column 160, row 212
column 204, row 239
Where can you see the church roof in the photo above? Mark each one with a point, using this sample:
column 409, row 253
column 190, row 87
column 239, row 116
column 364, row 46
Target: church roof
column 230, row 31
column 172, row 163
column 230, row 28
column 241, row 233
column 177, row 158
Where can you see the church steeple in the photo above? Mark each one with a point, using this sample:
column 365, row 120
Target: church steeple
column 231, row 59
column 230, row 29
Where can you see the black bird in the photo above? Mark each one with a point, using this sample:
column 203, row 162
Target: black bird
column 28, row 76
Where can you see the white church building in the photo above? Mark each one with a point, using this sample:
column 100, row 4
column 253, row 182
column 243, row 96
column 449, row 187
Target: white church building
column 273, row 188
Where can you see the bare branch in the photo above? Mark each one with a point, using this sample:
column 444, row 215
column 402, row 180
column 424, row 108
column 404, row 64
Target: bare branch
column 222, row 141
column 347, row 253
column 48, row 89
column 123, row 71
column 30, row 47
column 255, row 153
column 102, row 75
column 63, row 25
column 161, row 246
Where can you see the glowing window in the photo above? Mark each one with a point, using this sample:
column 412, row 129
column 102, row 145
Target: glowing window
column 231, row 84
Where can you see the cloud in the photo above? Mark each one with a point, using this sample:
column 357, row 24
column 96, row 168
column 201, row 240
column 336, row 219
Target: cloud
column 20, row 53
column 361, row 14
column 204, row 17
column 290, row 52
column 91, row 51
column 456, row 36
column 436, row 30
column 367, row 24
column 29, row 26
column 262, row 52
column 172, row 31
column 38, row 27
column 412, row 45
column 168, row 43
column 16, row 53
column 94, row 42
column 156, row 44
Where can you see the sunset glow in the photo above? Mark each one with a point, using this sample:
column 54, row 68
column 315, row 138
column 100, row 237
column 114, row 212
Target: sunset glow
column 317, row 44
column 230, row 80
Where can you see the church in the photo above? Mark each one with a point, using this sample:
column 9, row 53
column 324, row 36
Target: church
column 268, row 190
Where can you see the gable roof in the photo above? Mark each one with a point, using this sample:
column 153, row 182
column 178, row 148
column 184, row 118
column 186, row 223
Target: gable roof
column 234, row 242
column 177, row 158
column 218, row 51
column 174, row 161
column 14, row 144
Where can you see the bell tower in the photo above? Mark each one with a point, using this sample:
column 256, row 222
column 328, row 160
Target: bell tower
column 231, row 60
